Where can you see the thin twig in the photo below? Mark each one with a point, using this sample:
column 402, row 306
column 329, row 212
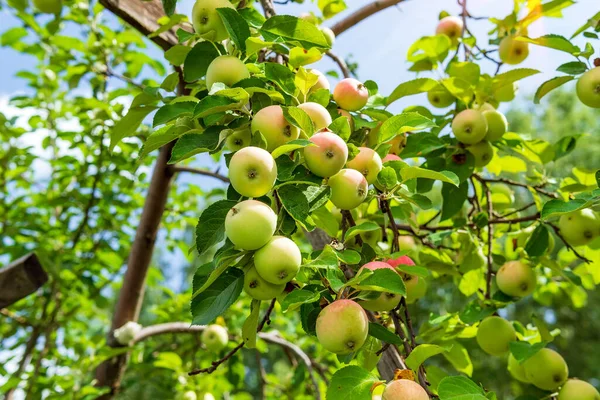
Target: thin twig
column 215, row 175
column 361, row 14
column 490, row 260
column 340, row 62
column 525, row 207
column 560, row 236
column 537, row 188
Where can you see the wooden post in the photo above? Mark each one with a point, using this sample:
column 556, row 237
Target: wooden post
column 21, row 278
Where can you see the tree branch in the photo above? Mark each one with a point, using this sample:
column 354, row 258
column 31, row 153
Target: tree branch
column 560, row 236
column 490, row 238
column 340, row 62
column 215, row 174
column 537, row 188
column 361, row 14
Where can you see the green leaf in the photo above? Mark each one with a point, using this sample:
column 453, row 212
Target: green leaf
column 161, row 137
column 169, row 6
column 382, row 333
column 296, row 204
column 550, row 85
column 217, row 297
column 420, row 85
column 127, row 125
column 417, row 172
column 421, row 353
column 251, row 325
column 299, row 118
column 192, row 143
column 429, row 49
column 327, row 259
column 552, row 41
column 197, row 61
column 290, row 146
column 382, row 280
column 466, row 71
column 367, row 226
column 236, row 26
column 453, row 199
column 351, row 383
column 282, row 76
column 422, row 143
column 401, row 123
column 298, row 297
column 542, row 329
column 218, row 103
column 556, row 207
column 573, row 68
column 317, row 196
column 459, row 388
column 538, row 241
column 211, row 225
column 459, row 357
column 509, row 77
column 474, row 312
column 387, row 177
column 341, row 127
column 12, row 36
column 295, row 31
column 172, row 111
column 524, row 350
column 177, row 54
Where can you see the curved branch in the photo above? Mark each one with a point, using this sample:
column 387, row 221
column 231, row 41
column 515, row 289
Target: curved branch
column 361, row 14
column 340, row 62
column 201, row 172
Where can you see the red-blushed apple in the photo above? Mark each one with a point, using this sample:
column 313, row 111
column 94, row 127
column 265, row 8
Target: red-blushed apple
column 469, row 126
column 328, row 156
column 252, row 171
column 404, row 389
column 348, row 189
column 390, row 157
column 546, row 369
column 440, row 97
column 250, row 224
column 207, row 21
column 574, row 389
column 398, row 144
column 497, row 125
column 579, row 227
column 322, row 82
column 402, row 260
column 515, row 278
column 48, row 6
column 344, row 113
column 588, row 88
column 317, row 113
column 512, row 51
column 452, row 27
column 238, row 140
column 516, row 370
column 386, row 301
column 329, row 35
column 495, row 334
column 483, row 152
column 226, row 69
column 274, row 127
column 367, row 162
column 278, row 261
column 215, row 338
column 350, row 94
column 260, row 289
column 342, row 327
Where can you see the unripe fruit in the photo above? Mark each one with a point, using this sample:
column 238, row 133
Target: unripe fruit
column 344, row 113
column 506, row 93
column 189, row 395
column 398, row 144
column 497, row 125
column 48, row 6
column 322, row 82
column 386, row 301
column 252, row 171
column 416, row 290
column 440, row 97
column 238, row 140
column 484, row 107
column 452, row 27
column 516, row 370
column 404, row 389
column 579, row 227
column 546, row 369
column 250, row 224
column 329, row 35
column 469, row 126
column 260, row 289
column 494, row 335
column 342, row 327
column 516, row 278
column 367, row 162
column 274, row 127
column 575, row 389
column 309, row 17
column 406, row 243
column 483, row 152
column 317, row 113
column 513, row 51
column 390, row 157
column 588, row 88
column 226, row 69
column 215, row 338
column 328, row 156
column 278, row 261
column 350, row 94
column 348, row 189
column 207, row 21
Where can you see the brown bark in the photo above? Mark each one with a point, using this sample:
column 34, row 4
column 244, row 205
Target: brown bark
column 21, row 278
column 361, row 14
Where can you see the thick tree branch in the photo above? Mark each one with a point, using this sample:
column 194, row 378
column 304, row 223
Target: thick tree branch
column 362, row 13
column 215, row 174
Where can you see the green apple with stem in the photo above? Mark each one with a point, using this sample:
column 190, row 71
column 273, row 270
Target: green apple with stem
column 588, row 88
column 226, row 69
column 342, row 327
column 440, row 97
column 328, row 155
column 483, row 152
column 258, row 288
column 546, row 369
column 271, row 123
column 497, row 125
column 238, row 139
column 349, row 189
column 278, row 261
column 495, row 334
column 469, row 126
column 317, row 113
column 350, row 94
column 512, row 51
column 452, row 27
column 580, row 227
column 207, row 21
column 250, row 224
column 574, row 389
column 215, row 338
column 252, row 171
column 367, row 162
column 516, row 278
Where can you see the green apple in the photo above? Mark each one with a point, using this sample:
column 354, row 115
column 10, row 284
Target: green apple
column 215, row 338
column 328, row 155
column 483, row 152
column 189, row 395
column 278, row 261
column 546, row 369
column 350, row 94
column 322, row 82
column 367, row 162
column 440, row 97
column 469, row 126
column 404, row 389
column 385, row 301
column 238, row 140
column 574, row 389
column 452, row 27
column 580, row 227
column 207, row 21
column 494, row 335
column 250, row 224
column 48, row 6
column 497, row 125
column 516, row 370
column 226, row 69
column 349, row 189
column 274, row 127
column 329, row 35
column 342, row 327
column 252, row 171
column 512, row 51
column 317, row 113
column 260, row 289
column 484, row 107
column 406, row 242
column 416, row 290
column 517, row 279
column 588, row 88
column 506, row 93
